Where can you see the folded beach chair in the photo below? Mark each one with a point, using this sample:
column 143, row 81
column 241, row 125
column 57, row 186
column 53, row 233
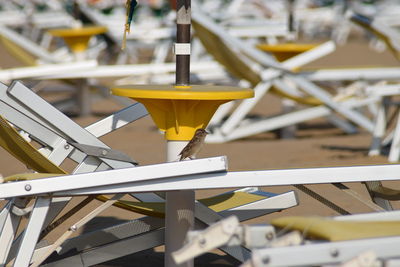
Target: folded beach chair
column 368, row 239
column 198, row 174
column 62, row 137
column 111, row 182
column 247, row 63
column 265, row 74
column 31, row 54
column 83, row 75
column 28, row 52
column 39, row 61
column 22, row 249
column 244, row 61
column 384, row 92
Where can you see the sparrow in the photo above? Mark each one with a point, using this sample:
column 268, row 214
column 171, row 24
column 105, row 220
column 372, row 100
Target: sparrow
column 194, row 145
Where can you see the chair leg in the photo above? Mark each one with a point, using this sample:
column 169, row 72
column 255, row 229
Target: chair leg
column 75, row 227
column 343, row 124
column 288, row 132
column 126, row 238
column 379, row 130
column 220, row 114
column 379, row 201
column 243, row 109
column 83, row 97
column 9, row 223
column 8, row 227
column 278, row 122
column 57, row 204
column 32, row 232
column 394, row 154
column 112, row 250
column 319, row 93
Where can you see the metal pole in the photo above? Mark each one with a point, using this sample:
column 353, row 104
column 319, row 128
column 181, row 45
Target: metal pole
column 83, row 90
column 291, row 23
column 182, row 46
column 179, row 210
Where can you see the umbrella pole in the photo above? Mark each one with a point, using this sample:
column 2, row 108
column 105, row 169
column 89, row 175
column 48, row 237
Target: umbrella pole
column 182, row 45
column 179, row 215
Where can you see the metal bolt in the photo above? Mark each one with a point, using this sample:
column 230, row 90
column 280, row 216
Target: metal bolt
column 269, row 236
column 73, row 228
column 104, row 152
column 228, row 228
column 28, row 187
column 266, row 259
column 202, row 241
column 66, row 146
column 334, row 252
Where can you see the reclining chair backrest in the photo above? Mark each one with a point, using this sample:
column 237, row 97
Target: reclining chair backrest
column 17, row 146
column 231, row 54
column 391, row 37
column 24, row 49
column 243, row 61
column 22, row 150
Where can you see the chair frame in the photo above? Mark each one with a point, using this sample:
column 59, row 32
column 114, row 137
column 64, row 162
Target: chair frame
column 58, row 126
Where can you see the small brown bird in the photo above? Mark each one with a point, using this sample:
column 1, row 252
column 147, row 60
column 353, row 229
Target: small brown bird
column 194, row 145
